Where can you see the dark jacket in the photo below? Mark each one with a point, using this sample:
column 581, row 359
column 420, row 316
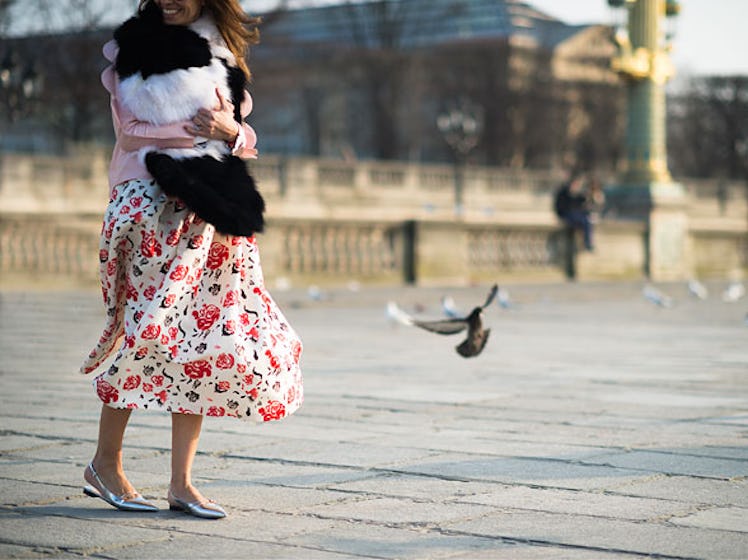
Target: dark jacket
column 567, row 202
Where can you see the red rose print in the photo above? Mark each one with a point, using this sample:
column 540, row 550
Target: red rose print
column 179, row 273
column 198, row 369
column 151, row 332
column 216, row 411
column 196, row 241
column 252, row 394
column 254, row 333
column 173, row 238
column 132, row 382
column 110, row 229
column 157, row 380
column 106, row 392
column 150, row 246
column 225, row 361
column 274, row 410
column 173, row 351
column 291, row 396
column 149, row 292
column 222, row 386
column 130, row 341
column 137, row 218
column 217, row 254
column 111, row 267
column 231, row 298
column 274, row 363
column 124, row 210
column 136, row 201
column 296, row 350
column 206, row 316
column 103, row 255
column 164, row 339
column 141, row 353
column 249, row 379
column 169, row 300
column 132, row 293
column 241, row 368
column 173, row 332
column 147, row 387
column 229, row 327
column 161, row 396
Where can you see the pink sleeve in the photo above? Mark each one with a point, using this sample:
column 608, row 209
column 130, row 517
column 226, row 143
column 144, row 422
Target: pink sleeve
column 246, row 141
column 133, row 133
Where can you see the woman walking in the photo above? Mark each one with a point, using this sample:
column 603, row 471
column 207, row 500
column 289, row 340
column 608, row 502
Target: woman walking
column 193, row 330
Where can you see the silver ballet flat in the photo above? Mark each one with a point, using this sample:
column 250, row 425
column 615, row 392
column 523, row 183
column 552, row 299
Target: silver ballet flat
column 205, row 510
column 126, row 502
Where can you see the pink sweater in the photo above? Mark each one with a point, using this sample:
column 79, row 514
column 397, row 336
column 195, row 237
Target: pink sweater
column 132, row 134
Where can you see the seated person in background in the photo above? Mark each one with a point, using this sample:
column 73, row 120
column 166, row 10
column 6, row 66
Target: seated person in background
column 572, row 205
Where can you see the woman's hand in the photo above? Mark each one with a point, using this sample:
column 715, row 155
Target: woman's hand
column 217, row 123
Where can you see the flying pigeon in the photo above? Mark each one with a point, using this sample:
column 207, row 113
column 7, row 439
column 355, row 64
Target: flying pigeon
column 477, row 336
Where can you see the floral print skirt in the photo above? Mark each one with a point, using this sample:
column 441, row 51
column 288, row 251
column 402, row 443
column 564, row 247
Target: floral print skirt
column 194, row 329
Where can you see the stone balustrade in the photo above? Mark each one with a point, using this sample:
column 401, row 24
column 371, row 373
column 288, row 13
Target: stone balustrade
column 335, row 221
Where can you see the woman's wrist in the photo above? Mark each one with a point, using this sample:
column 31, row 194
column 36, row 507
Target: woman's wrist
column 231, row 142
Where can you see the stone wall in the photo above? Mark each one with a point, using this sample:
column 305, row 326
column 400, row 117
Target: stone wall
column 335, row 222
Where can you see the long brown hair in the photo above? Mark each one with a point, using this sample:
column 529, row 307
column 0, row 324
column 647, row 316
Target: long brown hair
column 238, row 29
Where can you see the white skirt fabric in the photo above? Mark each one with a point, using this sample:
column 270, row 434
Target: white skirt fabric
column 194, row 328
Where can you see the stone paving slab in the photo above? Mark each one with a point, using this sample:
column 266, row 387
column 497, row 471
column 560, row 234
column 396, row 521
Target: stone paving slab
column 588, row 532
column 594, row 426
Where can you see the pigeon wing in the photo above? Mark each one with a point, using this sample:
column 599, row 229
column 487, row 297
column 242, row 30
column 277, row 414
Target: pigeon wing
column 446, row 326
column 491, row 296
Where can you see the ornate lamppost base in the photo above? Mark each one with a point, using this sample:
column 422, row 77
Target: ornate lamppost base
column 662, row 206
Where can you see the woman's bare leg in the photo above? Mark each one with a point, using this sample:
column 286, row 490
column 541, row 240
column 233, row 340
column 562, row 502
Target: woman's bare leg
column 185, row 434
column 108, row 458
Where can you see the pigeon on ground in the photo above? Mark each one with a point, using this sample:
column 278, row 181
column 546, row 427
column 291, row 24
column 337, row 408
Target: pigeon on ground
column 395, row 315
column 505, row 302
column 733, row 292
column 449, row 308
column 657, row 297
column 477, row 336
column 697, row 289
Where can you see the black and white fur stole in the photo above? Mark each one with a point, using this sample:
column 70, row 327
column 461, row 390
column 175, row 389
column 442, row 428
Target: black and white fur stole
column 166, row 73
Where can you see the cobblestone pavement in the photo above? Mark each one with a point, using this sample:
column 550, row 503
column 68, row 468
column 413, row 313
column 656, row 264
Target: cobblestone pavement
column 595, row 425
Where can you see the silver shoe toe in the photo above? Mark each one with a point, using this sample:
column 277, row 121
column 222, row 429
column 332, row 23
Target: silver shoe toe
column 126, row 502
column 204, row 510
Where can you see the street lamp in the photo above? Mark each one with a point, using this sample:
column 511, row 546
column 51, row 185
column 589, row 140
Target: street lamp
column 461, row 124
column 19, row 87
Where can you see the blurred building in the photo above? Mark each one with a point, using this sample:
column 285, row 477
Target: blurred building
column 369, row 80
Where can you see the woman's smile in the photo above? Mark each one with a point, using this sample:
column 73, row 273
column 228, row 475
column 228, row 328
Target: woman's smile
column 180, row 12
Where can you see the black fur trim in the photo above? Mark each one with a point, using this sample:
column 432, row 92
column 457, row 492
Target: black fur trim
column 237, row 83
column 222, row 192
column 149, row 46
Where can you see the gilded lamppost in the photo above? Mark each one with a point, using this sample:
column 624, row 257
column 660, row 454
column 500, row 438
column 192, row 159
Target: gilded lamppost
column 644, row 62
column 646, row 191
